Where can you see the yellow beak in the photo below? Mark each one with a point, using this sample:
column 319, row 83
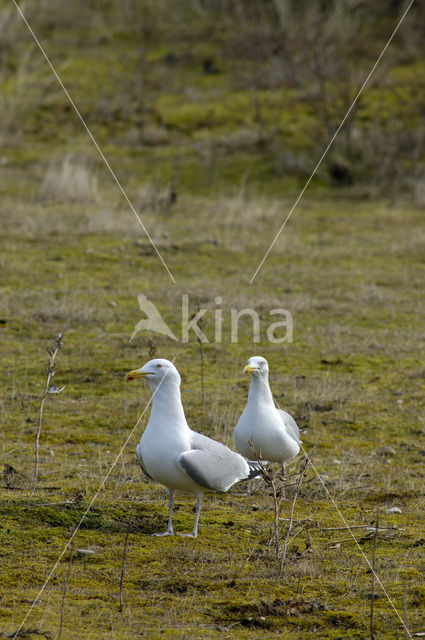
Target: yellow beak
column 136, row 373
column 249, row 368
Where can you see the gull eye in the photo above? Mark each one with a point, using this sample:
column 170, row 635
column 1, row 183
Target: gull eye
column 159, row 366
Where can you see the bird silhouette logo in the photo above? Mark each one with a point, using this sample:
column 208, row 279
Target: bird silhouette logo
column 153, row 321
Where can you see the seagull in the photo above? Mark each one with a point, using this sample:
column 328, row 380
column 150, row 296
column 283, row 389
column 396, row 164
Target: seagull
column 172, row 454
column 262, row 428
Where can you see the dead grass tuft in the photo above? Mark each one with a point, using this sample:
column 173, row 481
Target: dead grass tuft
column 70, row 179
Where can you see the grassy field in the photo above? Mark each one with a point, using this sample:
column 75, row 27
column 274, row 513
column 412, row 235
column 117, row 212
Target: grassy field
column 349, row 267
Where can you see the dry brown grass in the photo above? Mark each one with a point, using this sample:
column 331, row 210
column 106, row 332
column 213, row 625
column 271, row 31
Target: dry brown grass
column 70, row 179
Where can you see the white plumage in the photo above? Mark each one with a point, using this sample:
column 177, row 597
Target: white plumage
column 171, row 453
column 274, row 433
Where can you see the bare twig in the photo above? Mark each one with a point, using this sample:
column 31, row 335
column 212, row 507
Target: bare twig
column 269, row 478
column 151, row 347
column 372, row 590
column 359, row 526
column 288, row 485
column 291, row 514
column 303, row 521
column 297, row 530
column 355, row 540
column 277, row 499
column 65, row 588
column 53, row 352
column 124, row 558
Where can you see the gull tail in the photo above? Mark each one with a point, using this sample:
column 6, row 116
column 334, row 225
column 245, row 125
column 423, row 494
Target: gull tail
column 254, row 469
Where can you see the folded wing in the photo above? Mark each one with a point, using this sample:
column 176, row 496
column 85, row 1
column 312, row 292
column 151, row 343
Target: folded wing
column 141, row 462
column 290, row 425
column 213, row 465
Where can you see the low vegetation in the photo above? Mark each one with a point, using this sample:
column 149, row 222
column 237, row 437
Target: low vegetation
column 212, row 151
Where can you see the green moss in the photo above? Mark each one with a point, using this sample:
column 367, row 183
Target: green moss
column 350, row 272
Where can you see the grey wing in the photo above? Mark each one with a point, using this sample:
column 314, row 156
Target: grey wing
column 140, row 460
column 291, row 425
column 213, row 465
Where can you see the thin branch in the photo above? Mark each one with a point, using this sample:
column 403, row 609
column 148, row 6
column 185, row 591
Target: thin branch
column 298, row 529
column 276, row 502
column 360, row 526
column 291, row 514
column 331, row 544
column 151, row 347
column 53, row 352
column 269, row 478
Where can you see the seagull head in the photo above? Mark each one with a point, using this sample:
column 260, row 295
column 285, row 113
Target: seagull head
column 156, row 372
column 257, row 366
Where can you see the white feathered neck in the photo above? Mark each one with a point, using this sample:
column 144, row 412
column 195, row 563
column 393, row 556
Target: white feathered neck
column 259, row 390
column 167, row 407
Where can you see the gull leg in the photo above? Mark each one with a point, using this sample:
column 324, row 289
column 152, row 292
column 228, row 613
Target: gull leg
column 194, row 533
column 170, row 511
column 198, row 511
column 248, row 488
column 170, row 530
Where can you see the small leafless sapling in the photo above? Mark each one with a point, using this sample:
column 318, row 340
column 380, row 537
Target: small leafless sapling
column 303, row 467
column 50, row 372
column 271, row 479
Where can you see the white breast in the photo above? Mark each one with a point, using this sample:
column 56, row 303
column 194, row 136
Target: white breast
column 265, row 427
column 160, row 458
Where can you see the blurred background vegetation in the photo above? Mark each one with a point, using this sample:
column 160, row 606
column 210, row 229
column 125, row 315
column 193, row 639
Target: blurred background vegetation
column 213, row 115
column 199, row 94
